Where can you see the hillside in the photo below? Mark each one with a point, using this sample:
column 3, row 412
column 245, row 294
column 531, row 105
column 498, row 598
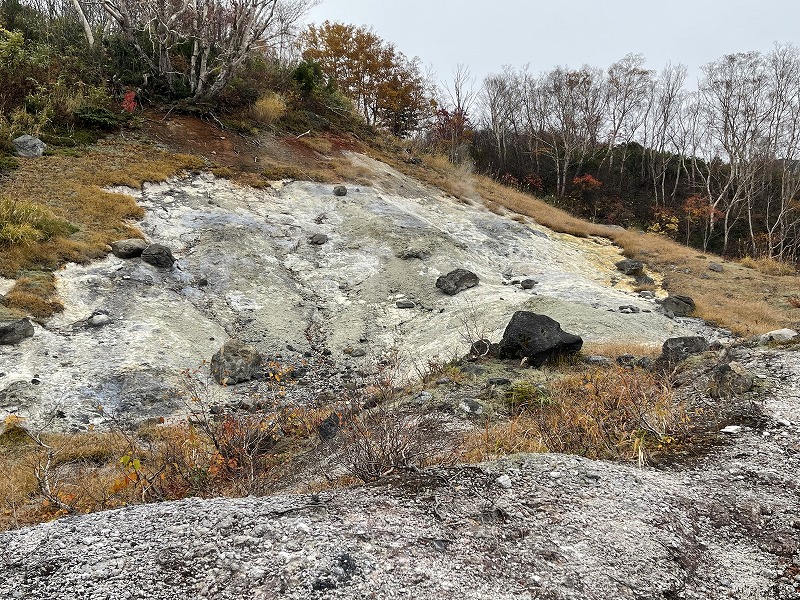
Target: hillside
column 605, row 474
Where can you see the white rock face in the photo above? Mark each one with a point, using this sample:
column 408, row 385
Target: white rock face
column 779, row 335
column 245, row 269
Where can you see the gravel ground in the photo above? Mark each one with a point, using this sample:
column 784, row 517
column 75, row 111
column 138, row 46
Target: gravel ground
column 723, row 525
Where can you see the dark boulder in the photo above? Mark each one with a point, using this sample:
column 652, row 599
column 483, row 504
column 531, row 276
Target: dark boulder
column 527, row 284
column 14, row 332
column 536, row 338
column 340, row 190
column 318, row 239
column 130, row 248
column 680, row 306
column 235, row 362
column 630, row 266
column 457, row 281
column 677, row 349
column 158, row 256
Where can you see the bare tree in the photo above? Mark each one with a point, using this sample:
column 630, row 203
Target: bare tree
column 221, row 34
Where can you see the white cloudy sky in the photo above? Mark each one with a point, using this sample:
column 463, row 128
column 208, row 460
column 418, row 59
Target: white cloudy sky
column 487, row 34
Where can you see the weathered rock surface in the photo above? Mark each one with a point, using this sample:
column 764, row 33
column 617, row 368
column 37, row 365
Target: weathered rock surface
column 28, row 146
column 630, row 266
column 537, row 338
column 779, row 335
column 13, row 332
column 235, row 362
column 677, row 349
column 130, row 248
column 456, row 281
column 246, row 271
column 158, row 255
column 722, row 525
column 678, row 305
column 340, row 190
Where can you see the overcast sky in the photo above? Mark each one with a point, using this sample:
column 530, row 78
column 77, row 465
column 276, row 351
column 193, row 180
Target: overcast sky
column 487, row 34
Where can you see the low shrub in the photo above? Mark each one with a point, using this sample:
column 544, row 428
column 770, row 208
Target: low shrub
column 268, row 109
column 769, row 266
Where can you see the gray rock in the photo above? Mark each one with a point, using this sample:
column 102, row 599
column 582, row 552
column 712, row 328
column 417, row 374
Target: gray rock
column 130, row 248
column 329, row 427
column 414, row 252
column 629, row 309
column 716, row 267
column 630, row 266
column 457, row 281
column 680, row 306
column 15, row 331
column 731, row 429
column 471, row 407
column 340, row 190
column 598, row 361
column 405, row 304
column 779, row 335
column 158, row 256
column 729, row 380
column 647, row 294
column 536, row 338
column 527, row 284
column 318, row 239
column 504, row 481
column 626, row 360
column 499, row 381
column 99, row 319
column 677, row 349
column 235, row 362
column 358, row 353
column 28, row 146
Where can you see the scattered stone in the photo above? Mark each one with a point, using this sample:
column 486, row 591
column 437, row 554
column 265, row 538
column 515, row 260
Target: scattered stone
column 318, row 239
column 626, row 360
column 536, row 338
column 504, row 481
column 647, row 294
column 423, row 397
column 235, row 362
column 644, row 362
column 598, row 361
column 729, row 380
column 130, row 248
column 414, row 252
column 473, row 369
column 629, row 309
column 527, row 284
column 99, row 319
column 680, row 306
column 358, row 352
column 15, row 331
column 340, row 190
column 28, row 146
column 630, row 266
column 457, row 281
column 716, row 267
column 444, row 381
column 779, row 335
column 499, row 381
column 483, row 347
column 471, row 407
column 731, row 429
column 677, row 349
column 329, row 427
column 158, row 256
column 405, row 304
column 644, row 280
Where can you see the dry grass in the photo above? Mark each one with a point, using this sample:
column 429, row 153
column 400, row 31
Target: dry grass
column 268, row 109
column 602, row 413
column 234, row 455
column 80, row 219
column 33, row 294
column 747, row 301
column 768, row 266
column 613, row 349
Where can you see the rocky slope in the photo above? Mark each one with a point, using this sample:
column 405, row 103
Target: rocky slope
column 536, row 526
column 307, row 277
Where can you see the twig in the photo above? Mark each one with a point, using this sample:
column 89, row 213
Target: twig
column 303, row 134
column 168, row 112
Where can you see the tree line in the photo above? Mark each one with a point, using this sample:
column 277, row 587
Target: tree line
column 717, row 167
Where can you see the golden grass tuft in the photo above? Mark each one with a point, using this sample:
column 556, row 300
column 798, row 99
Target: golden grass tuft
column 601, row 413
column 268, row 109
column 769, row 266
column 62, row 197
